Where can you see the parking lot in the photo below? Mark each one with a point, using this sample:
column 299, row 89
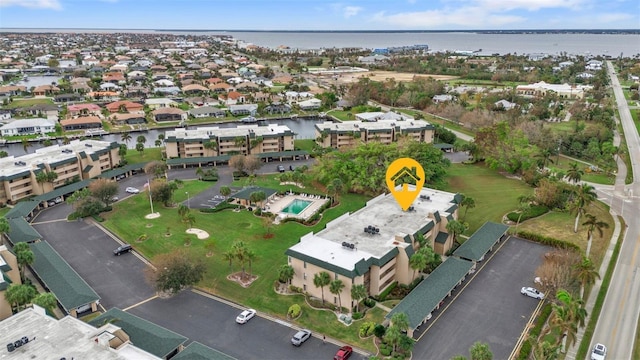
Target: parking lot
column 489, row 309
column 213, row 324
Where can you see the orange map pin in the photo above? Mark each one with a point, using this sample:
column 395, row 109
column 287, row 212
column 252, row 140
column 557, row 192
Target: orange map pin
column 405, row 172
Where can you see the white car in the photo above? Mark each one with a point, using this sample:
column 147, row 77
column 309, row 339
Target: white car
column 300, row 337
column 599, row 352
column 532, row 292
column 132, row 190
column 245, row 316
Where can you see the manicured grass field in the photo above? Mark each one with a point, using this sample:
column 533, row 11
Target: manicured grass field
column 16, row 103
column 494, row 194
column 305, row 144
column 563, row 163
column 226, row 227
column 149, row 154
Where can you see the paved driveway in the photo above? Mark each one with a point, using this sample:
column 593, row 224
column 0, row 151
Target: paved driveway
column 213, row 323
column 119, row 280
column 489, row 309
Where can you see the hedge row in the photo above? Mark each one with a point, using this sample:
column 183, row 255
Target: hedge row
column 548, row 241
column 525, row 349
column 533, row 212
column 383, row 295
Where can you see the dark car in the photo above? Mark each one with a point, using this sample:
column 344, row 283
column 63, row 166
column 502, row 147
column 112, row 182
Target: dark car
column 292, row 168
column 343, row 353
column 281, row 168
column 122, row 249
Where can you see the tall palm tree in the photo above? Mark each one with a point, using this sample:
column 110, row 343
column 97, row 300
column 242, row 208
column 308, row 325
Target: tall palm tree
column 584, row 195
column 544, row 156
column 468, row 203
column 336, row 287
column 418, row 261
column 574, row 174
column 586, row 273
column 4, row 228
column 228, row 256
column 24, row 257
column 321, row 280
column 593, row 224
column 26, row 145
column 126, row 137
column 358, row 292
column 455, row 228
column 286, row 273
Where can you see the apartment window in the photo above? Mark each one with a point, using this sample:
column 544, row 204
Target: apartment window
column 335, row 300
column 289, row 259
column 305, row 264
column 304, row 276
column 336, row 276
column 304, row 287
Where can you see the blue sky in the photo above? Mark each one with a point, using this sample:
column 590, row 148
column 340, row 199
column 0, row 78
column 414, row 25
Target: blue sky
column 321, row 15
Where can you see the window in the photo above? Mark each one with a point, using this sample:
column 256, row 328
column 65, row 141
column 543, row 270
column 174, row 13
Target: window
column 304, row 287
column 289, row 259
column 335, row 300
column 336, row 276
column 304, row 276
column 305, row 264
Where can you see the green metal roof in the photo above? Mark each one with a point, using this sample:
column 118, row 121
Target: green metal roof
column 282, row 153
column 144, row 334
column 442, row 237
column 481, row 241
column 87, row 168
column 70, row 160
column 198, row 160
column 436, row 215
column 64, row 282
column 197, row 351
column 121, row 170
column 22, row 209
column 63, row 190
column 21, row 231
column 427, row 295
column 246, row 192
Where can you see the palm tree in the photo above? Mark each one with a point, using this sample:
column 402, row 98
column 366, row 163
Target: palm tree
column 392, row 336
column 480, row 351
column 400, row 320
column 569, row 315
column 336, row 287
column 338, row 187
column 46, row 300
column 418, row 261
column 593, row 224
column 225, row 191
column 24, row 257
column 586, row 273
column 183, row 210
column 199, row 172
column 126, row 137
column 19, row 295
column 251, row 257
column 141, row 139
column 189, row 219
column 544, row 156
column 321, row 280
column 46, row 177
column 585, row 194
column 4, row 228
column 286, row 273
column 467, row 203
column 522, row 208
column 574, row 174
column 26, row 145
column 358, row 291
column 228, row 256
column 455, row 228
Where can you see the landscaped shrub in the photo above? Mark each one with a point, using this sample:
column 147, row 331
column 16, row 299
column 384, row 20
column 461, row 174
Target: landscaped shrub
column 548, row 241
column 257, row 211
column 385, row 351
column 525, row 350
column 533, row 212
column 295, row 289
column 383, row 295
column 541, row 320
column 357, row 316
column 379, row 331
column 369, row 302
column 367, row 328
column 294, row 311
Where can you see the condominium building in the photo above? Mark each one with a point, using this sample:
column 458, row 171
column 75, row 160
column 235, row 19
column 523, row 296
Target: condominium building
column 373, row 245
column 77, row 160
column 564, row 91
column 350, row 133
column 243, row 139
column 9, row 274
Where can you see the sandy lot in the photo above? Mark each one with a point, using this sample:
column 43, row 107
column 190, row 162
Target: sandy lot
column 398, row 76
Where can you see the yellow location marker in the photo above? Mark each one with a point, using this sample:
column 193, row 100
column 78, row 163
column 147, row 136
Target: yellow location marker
column 405, row 171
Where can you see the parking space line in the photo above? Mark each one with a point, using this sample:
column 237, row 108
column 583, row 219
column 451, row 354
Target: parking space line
column 140, row 303
column 49, row 221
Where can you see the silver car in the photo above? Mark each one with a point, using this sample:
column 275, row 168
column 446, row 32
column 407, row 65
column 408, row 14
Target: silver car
column 532, row 292
column 300, row 337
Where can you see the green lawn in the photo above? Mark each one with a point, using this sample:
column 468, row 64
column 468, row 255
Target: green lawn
column 4, row 211
column 16, row 103
column 342, row 115
column 149, row 154
column 635, row 114
column 128, row 222
column 305, row 144
column 494, row 194
column 562, row 163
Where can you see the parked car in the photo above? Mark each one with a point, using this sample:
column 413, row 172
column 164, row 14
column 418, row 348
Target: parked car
column 300, row 337
column 115, row 198
column 532, row 292
column 599, row 352
column 132, row 190
column 245, row 316
column 281, row 168
column 122, row 249
column 292, row 168
column 55, row 201
column 343, row 353
column 119, row 177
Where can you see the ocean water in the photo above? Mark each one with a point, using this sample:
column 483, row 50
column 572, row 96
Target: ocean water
column 491, row 43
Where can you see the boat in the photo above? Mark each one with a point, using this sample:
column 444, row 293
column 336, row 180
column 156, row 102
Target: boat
column 248, row 119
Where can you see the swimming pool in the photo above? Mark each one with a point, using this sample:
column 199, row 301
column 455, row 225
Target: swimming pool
column 296, row 206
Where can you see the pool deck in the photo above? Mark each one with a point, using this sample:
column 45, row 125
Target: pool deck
column 277, row 203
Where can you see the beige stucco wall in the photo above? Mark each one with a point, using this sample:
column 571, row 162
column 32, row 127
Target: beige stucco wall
column 14, row 276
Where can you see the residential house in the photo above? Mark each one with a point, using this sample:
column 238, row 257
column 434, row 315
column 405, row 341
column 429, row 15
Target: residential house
column 68, row 98
column 157, row 103
column 350, row 133
column 442, row 98
column 207, row 111
column 194, row 89
column 243, row 109
column 232, row 98
column 125, row 106
column 311, row 104
column 32, row 126
column 83, row 110
column 50, row 111
column 564, row 91
column 169, row 114
column 380, row 255
column 109, row 87
column 220, row 88
column 277, row 108
column 5, row 115
column 104, row 95
column 81, row 123
column 128, row 118
column 45, row 90
column 504, row 105
column 12, row 90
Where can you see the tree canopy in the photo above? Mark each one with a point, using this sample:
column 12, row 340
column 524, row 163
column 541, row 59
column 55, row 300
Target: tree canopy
column 175, row 271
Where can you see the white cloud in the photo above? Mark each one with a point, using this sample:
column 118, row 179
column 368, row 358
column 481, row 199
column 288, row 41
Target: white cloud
column 613, row 17
column 469, row 17
column 33, row 4
column 531, row 5
column 349, row 11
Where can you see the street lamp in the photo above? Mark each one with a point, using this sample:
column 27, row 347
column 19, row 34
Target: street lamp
column 188, row 199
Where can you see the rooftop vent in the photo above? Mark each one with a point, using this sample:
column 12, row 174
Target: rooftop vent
column 372, row 230
column 348, row 245
column 425, row 197
column 19, row 163
column 67, row 151
column 88, row 145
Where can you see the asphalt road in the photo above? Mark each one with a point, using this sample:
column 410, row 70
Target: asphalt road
column 213, row 323
column 489, row 308
column 616, row 327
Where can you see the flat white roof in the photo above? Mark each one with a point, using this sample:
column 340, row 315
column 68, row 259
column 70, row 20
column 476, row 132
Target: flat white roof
column 382, row 212
column 48, row 155
column 373, row 125
column 55, row 339
column 240, row 130
column 23, row 123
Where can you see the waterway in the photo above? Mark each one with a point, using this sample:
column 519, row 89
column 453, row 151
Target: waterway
column 304, row 128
